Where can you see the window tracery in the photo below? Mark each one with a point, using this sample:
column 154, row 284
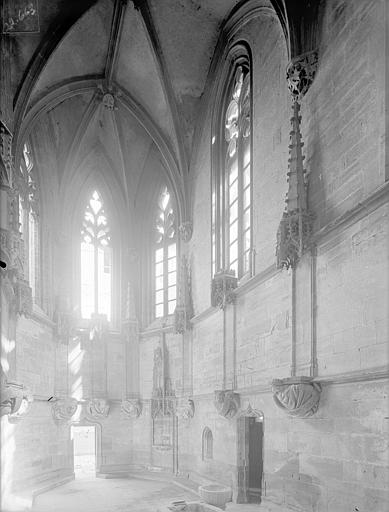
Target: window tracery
column 96, row 260
column 165, row 257
column 29, row 220
column 231, row 180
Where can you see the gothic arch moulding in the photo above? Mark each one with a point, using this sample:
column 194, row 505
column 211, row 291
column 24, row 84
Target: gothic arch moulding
column 250, row 412
column 64, row 91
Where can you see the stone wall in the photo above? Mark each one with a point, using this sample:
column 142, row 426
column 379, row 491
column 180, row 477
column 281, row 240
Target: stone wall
column 337, row 459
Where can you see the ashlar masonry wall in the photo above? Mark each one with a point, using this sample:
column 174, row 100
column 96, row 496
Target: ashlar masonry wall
column 338, row 458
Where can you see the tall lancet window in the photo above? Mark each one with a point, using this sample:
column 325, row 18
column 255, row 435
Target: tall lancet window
column 165, row 257
column 96, row 260
column 231, row 190
column 29, row 220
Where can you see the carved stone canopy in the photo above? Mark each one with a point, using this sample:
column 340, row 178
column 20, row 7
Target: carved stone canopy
column 64, row 409
column 227, row 403
column 295, row 229
column 293, row 238
column 163, row 400
column 222, row 288
column 132, row 407
column 163, row 406
column 15, row 400
column 97, row 408
column 185, row 409
column 297, row 396
column 300, row 74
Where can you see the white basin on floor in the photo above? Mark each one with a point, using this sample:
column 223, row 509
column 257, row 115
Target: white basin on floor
column 191, row 506
column 215, row 494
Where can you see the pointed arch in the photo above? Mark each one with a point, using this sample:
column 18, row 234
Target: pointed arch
column 79, row 85
column 231, row 167
column 165, row 255
column 96, row 259
column 207, row 444
column 88, row 180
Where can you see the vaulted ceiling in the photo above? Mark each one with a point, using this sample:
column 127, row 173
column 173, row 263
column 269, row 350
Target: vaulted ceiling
column 154, row 58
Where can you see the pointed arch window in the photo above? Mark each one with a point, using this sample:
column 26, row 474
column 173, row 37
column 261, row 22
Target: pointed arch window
column 96, row 260
column 165, row 257
column 29, row 220
column 232, row 176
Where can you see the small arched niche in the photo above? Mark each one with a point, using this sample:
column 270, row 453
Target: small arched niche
column 207, row 444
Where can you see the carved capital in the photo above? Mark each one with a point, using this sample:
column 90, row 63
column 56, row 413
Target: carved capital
column 297, row 396
column 15, row 400
column 186, row 230
column 97, row 408
column 163, row 406
column 300, row 73
column 227, row 403
column 223, row 288
column 64, row 409
column 185, row 409
column 131, row 407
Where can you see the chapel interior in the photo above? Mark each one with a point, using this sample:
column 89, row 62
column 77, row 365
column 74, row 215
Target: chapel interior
column 194, row 234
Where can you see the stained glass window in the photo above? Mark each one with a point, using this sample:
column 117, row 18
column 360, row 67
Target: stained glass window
column 165, row 257
column 96, row 260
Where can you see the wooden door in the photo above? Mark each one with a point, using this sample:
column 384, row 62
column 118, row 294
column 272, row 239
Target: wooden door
column 243, row 437
column 255, row 461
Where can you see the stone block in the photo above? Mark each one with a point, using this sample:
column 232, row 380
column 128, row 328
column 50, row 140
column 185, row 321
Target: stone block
column 304, row 442
column 322, row 469
column 301, row 496
column 376, row 499
column 374, row 355
column 369, row 475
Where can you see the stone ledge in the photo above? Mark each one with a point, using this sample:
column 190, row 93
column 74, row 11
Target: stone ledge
column 22, row 500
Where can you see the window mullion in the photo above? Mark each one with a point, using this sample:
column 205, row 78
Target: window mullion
column 240, row 207
column 165, row 278
column 96, row 278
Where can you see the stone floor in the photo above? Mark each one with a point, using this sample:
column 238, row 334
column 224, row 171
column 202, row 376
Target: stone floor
column 120, row 495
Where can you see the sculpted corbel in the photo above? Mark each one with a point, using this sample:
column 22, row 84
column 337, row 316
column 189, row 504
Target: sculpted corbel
column 131, row 407
column 64, row 409
column 227, row 403
column 97, row 408
column 297, row 396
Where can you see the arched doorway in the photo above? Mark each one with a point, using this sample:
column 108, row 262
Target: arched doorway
column 250, row 456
